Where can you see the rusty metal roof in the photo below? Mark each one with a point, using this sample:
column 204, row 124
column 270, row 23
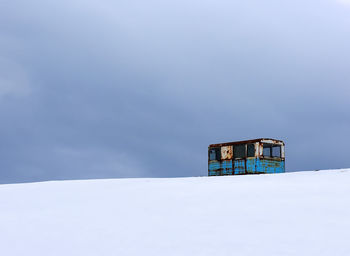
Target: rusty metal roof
column 243, row 142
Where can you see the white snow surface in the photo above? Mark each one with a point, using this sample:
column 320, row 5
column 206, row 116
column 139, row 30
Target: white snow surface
column 301, row 213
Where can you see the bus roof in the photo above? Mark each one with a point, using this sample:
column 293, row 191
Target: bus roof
column 266, row 140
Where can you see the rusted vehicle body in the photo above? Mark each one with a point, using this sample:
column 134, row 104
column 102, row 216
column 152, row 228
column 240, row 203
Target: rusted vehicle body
column 246, row 157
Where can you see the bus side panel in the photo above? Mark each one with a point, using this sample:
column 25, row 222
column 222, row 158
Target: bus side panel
column 270, row 166
column 239, row 166
column 226, row 167
column 251, row 165
column 214, row 168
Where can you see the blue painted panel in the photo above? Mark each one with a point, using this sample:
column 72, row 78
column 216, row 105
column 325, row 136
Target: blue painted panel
column 239, row 166
column 254, row 165
column 214, row 168
column 214, row 173
column 226, row 167
column 214, row 165
column 270, row 166
column 251, row 165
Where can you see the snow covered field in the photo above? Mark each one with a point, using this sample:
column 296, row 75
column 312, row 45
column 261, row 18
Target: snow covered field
column 303, row 213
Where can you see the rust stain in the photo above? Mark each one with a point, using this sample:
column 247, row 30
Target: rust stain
column 226, row 153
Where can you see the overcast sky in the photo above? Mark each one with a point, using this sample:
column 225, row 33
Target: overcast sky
column 127, row 88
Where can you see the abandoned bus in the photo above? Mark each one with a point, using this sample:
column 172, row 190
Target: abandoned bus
column 246, row 157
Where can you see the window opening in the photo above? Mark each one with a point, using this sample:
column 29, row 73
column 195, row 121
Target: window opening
column 267, row 150
column 276, row 151
column 214, row 154
column 270, row 150
column 250, row 150
column 239, row 151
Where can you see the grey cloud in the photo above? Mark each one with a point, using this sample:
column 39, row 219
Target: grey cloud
column 136, row 89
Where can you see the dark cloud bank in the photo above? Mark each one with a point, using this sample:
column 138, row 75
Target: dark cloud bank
column 102, row 89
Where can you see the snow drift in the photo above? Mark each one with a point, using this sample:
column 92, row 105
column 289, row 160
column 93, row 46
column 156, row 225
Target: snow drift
column 303, row 213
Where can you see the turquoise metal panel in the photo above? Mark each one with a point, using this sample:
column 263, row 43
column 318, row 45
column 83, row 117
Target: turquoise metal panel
column 248, row 166
column 214, row 173
column 214, row 165
column 214, row 168
column 226, row 167
column 270, row 166
column 239, row 166
column 251, row 165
